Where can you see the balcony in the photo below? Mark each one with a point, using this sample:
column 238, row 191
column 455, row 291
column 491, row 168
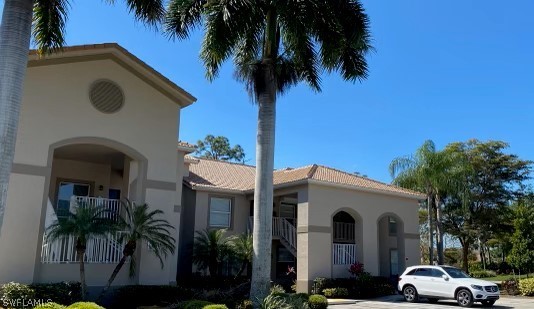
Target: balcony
column 282, row 230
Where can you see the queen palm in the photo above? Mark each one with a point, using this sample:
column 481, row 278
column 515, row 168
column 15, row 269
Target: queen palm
column 140, row 223
column 48, row 18
column 274, row 45
column 86, row 223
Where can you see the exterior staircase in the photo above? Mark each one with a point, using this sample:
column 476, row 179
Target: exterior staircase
column 284, row 231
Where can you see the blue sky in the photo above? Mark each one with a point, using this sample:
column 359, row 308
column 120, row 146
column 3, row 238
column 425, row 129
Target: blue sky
column 443, row 70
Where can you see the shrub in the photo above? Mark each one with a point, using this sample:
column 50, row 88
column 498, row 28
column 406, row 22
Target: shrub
column 356, row 269
column 64, row 293
column 336, row 292
column 246, row 304
column 196, row 304
column 482, row 274
column 317, row 302
column 50, row 306
column 319, row 284
column 526, row 287
column 277, row 289
column 84, row 305
column 510, row 286
column 133, row 296
column 274, row 302
column 16, row 294
column 215, row 307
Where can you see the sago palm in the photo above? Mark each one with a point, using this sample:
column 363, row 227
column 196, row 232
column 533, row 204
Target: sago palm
column 243, row 249
column 86, row 223
column 210, row 248
column 274, row 45
column 48, row 19
column 140, row 223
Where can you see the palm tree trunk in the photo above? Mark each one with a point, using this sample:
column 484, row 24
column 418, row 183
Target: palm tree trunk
column 439, row 229
column 263, row 191
column 113, row 275
column 15, row 32
column 465, row 256
column 430, row 228
column 81, row 254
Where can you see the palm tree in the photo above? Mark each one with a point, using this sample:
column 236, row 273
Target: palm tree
column 142, row 224
column 243, row 249
column 426, row 171
column 86, row 223
column 48, row 19
column 275, row 45
column 210, row 248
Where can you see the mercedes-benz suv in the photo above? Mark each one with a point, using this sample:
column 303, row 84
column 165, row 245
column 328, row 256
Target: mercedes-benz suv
column 445, row 282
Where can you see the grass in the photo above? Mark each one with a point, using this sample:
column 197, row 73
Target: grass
column 506, row 277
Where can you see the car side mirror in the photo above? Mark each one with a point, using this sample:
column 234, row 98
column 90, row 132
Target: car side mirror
column 445, row 277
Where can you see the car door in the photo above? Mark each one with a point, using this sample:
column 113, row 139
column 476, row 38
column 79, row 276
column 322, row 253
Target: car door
column 438, row 285
column 422, row 281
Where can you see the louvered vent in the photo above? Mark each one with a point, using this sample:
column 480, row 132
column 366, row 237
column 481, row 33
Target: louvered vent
column 106, row 96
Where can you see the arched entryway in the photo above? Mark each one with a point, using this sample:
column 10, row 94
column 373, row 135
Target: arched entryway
column 391, row 245
column 346, row 241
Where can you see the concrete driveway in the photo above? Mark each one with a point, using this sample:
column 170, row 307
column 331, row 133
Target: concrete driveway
column 396, row 301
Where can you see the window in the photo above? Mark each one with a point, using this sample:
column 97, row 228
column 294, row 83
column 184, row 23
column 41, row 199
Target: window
column 424, row 272
column 437, row 273
column 220, row 212
column 65, row 191
column 392, row 226
column 394, row 261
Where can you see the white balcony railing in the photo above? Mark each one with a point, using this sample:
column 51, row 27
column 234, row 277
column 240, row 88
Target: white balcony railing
column 104, row 249
column 112, row 206
column 281, row 228
column 343, row 254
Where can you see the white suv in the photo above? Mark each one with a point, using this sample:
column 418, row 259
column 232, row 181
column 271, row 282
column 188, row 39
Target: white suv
column 445, row 282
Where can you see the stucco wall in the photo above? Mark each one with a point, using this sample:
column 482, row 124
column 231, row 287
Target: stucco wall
column 56, row 108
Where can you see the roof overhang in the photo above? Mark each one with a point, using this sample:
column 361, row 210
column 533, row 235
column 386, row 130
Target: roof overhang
column 118, row 54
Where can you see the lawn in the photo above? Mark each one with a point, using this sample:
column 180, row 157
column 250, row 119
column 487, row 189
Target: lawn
column 506, row 277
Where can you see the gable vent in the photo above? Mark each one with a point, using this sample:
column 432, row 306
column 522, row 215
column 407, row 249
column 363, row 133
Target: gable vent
column 106, row 96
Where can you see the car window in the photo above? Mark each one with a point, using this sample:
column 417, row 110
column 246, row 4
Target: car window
column 437, row 273
column 411, row 272
column 424, row 272
column 455, row 272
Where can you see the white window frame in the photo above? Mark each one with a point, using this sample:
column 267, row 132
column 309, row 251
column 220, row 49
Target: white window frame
column 229, row 212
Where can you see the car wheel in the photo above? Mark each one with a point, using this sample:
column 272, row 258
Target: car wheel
column 464, row 298
column 410, row 294
column 432, row 300
column 488, row 303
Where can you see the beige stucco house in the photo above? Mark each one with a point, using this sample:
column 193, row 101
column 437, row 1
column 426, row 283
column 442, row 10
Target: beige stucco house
column 323, row 219
column 97, row 124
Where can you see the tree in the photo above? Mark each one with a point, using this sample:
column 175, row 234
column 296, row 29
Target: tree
column 275, row 45
column 86, row 223
column 48, row 18
column 142, row 224
column 210, row 248
column 218, row 148
column 522, row 252
column 490, row 179
column 426, row 171
column 243, row 249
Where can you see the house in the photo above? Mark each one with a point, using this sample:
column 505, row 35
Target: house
column 323, row 219
column 97, row 124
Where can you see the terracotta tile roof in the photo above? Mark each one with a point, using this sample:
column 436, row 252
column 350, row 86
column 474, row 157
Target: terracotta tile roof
column 220, row 175
column 186, row 145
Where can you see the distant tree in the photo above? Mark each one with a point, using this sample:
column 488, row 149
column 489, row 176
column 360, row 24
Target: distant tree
column 522, row 252
column 490, row 179
column 218, row 148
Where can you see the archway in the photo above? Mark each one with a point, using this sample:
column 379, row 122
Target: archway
column 391, row 248
column 346, row 241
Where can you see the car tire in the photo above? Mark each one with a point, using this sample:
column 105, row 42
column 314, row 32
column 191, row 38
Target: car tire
column 488, row 303
column 464, row 298
column 410, row 294
column 432, row 300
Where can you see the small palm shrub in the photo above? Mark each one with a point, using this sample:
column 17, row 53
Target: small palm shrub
column 317, row 302
column 85, row 305
column 50, row 306
column 526, row 287
column 16, row 295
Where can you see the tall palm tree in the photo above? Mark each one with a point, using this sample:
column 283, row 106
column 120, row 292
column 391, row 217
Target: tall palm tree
column 48, row 19
column 86, row 223
column 426, row 171
column 142, row 224
column 243, row 249
column 275, row 45
column 210, row 248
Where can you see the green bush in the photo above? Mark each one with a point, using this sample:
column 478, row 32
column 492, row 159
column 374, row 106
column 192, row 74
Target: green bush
column 336, row 292
column 64, row 293
column 274, row 302
column 317, row 302
column 84, row 305
column 133, row 296
column 50, row 306
column 482, row 273
column 215, row 307
column 277, row 289
column 196, row 304
column 526, row 287
column 16, row 295
column 246, row 304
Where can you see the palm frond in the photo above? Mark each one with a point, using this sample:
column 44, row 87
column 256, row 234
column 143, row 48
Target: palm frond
column 183, row 16
column 49, row 20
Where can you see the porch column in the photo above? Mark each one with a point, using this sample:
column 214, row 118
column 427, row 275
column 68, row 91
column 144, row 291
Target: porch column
column 370, row 246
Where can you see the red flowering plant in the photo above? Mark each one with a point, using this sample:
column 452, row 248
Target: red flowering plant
column 356, row 269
